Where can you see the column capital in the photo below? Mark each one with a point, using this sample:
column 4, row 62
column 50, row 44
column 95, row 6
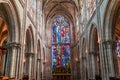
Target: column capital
column 13, row 44
column 109, row 42
column 28, row 54
column 38, row 59
column 83, row 57
column 93, row 53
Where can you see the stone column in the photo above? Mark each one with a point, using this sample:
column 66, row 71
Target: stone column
column 29, row 57
column 78, row 70
column 12, row 60
column 38, row 69
column 33, row 64
column 97, row 66
column 103, row 63
column 83, row 68
column 44, row 73
column 109, row 53
column 91, row 65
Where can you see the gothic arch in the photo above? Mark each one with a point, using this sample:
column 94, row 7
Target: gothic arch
column 93, row 36
column 71, row 23
column 109, row 27
column 29, row 54
column 29, row 40
column 94, row 55
column 60, row 8
column 10, row 16
column 109, row 18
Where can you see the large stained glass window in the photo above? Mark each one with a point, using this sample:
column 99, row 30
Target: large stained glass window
column 60, row 43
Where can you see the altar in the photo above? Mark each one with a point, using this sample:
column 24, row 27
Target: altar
column 61, row 74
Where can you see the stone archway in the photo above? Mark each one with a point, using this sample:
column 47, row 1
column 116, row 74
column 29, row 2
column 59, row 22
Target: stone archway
column 94, row 55
column 9, row 15
column 110, row 37
column 28, row 55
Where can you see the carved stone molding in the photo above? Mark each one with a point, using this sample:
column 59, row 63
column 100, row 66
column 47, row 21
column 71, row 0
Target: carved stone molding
column 38, row 59
column 109, row 42
column 14, row 44
column 29, row 54
column 93, row 53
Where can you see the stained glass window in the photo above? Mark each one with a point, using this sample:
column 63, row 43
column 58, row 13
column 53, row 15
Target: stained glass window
column 118, row 48
column 60, row 43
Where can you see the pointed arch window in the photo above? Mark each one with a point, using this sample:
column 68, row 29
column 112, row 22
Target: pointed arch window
column 60, row 43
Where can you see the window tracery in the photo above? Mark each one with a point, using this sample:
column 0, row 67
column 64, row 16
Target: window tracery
column 60, row 43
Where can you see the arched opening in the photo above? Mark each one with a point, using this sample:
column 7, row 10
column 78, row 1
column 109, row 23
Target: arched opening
column 61, row 57
column 97, row 57
column 94, row 55
column 9, row 36
column 111, row 39
column 28, row 55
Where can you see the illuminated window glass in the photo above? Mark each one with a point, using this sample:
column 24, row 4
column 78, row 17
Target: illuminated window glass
column 60, row 43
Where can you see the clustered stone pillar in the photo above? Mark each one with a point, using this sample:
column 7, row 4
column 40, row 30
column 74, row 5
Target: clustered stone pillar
column 29, row 57
column 91, row 65
column 102, row 62
column 78, row 70
column 38, row 69
column 83, row 68
column 109, row 58
column 12, row 60
column 44, row 69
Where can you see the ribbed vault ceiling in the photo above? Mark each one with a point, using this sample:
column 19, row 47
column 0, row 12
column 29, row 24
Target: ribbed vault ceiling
column 67, row 8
